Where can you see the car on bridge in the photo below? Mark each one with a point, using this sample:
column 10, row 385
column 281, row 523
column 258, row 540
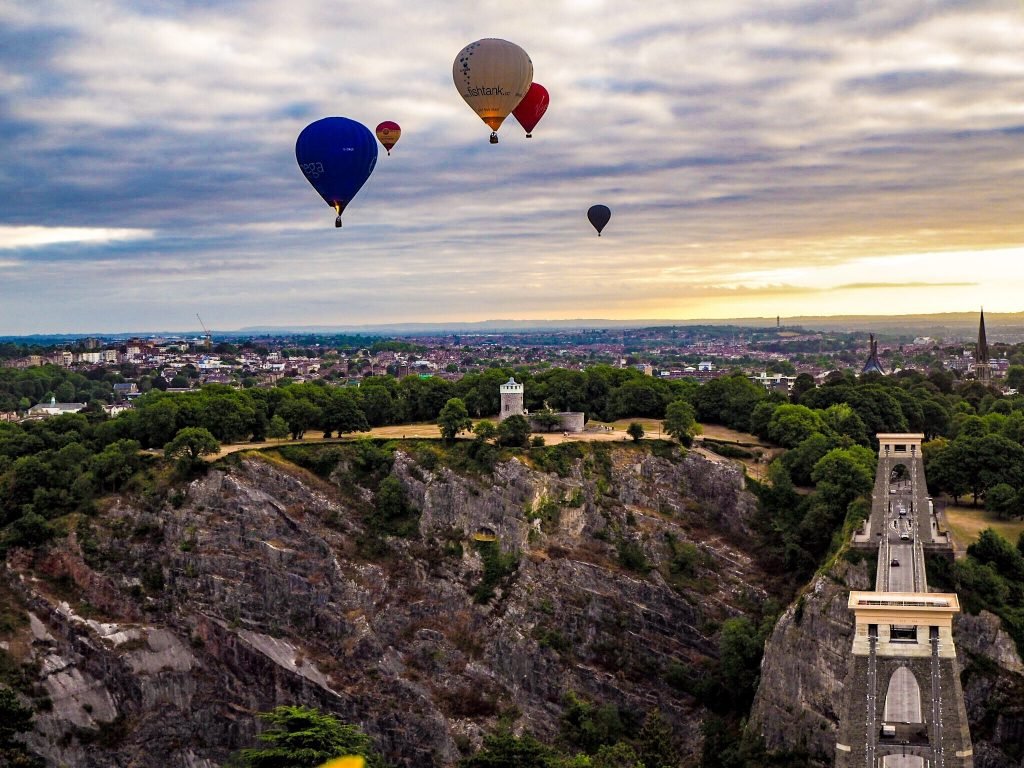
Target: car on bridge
column 895, row 563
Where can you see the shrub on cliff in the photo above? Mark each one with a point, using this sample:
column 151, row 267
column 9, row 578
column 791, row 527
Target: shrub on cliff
column 300, row 737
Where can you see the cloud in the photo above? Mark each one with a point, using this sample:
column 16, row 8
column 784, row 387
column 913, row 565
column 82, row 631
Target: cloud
column 26, row 237
column 786, row 140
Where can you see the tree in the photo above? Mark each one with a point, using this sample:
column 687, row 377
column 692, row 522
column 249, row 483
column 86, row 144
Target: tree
column 503, row 750
column 804, row 383
column 116, row 463
column 842, row 475
column 993, row 549
column 190, row 445
column 341, row 413
column 454, row 418
column 843, row 420
column 485, row 430
column 1001, row 498
column 728, row 400
column 635, row 430
column 546, row 419
column 300, row 415
column 1015, row 377
column 740, row 648
column 761, row 416
column 300, row 737
column 618, row 755
column 392, row 513
column 514, row 431
column 278, row 428
column 681, row 421
column 800, row 461
column 790, row 425
column 655, row 745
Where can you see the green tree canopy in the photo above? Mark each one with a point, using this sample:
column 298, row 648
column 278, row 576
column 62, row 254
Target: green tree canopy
column 300, row 737
column 190, row 445
column 790, row 425
column 681, row 421
column 454, row 418
column 514, row 432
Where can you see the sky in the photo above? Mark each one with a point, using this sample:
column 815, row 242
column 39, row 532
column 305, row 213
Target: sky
column 797, row 157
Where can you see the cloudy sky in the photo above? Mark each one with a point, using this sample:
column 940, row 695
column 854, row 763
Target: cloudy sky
column 760, row 158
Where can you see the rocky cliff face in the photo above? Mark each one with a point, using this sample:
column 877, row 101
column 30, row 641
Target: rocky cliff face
column 805, row 664
column 161, row 631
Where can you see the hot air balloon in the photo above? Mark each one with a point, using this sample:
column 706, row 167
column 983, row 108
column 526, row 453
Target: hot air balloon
column 388, row 134
column 493, row 76
column 337, row 156
column 532, row 108
column 599, row 216
column 351, row 761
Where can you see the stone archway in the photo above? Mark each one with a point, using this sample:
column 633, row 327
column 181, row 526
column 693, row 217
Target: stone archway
column 903, row 698
column 903, row 705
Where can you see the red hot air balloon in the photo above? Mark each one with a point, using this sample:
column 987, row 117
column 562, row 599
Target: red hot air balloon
column 532, row 108
column 388, row 134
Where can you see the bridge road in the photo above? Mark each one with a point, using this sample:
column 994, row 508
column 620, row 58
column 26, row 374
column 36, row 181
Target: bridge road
column 903, row 696
column 904, row 573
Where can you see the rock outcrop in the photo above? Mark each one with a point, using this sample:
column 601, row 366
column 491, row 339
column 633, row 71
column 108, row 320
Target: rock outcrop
column 162, row 629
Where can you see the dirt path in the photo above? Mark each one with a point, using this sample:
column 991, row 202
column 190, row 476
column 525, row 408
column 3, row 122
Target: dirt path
column 414, row 431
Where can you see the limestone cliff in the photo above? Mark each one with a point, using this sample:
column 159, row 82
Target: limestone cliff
column 158, row 628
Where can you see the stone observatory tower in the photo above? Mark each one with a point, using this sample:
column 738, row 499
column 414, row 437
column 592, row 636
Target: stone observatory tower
column 511, row 399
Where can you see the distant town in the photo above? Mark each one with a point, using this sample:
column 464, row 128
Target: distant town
column 125, row 368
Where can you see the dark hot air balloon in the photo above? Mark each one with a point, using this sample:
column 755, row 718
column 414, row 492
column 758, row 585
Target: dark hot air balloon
column 599, row 216
column 388, row 134
column 337, row 156
column 532, row 108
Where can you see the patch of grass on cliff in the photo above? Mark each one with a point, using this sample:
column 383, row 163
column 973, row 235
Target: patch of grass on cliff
column 728, row 450
column 559, row 459
column 685, row 565
column 13, row 613
column 548, row 512
column 321, row 460
column 499, row 568
column 631, row 556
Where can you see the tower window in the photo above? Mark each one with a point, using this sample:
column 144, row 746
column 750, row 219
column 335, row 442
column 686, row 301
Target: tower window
column 898, row 634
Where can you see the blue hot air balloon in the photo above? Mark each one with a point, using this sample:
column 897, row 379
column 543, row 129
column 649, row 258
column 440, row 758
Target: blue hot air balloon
column 337, row 156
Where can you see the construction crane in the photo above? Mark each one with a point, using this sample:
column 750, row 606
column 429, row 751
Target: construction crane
column 208, row 343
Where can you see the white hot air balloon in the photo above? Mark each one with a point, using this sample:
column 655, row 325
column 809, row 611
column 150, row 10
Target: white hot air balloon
column 493, row 76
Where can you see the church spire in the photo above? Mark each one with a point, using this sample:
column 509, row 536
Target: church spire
column 982, row 341
column 873, row 364
column 982, row 370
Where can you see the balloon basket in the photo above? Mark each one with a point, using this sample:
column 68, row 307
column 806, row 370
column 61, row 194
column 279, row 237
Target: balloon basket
column 494, row 137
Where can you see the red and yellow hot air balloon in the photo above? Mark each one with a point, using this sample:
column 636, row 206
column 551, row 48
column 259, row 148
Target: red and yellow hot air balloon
column 350, row 761
column 532, row 108
column 388, row 134
column 492, row 76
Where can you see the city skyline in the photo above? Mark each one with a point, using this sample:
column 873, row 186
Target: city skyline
column 809, row 159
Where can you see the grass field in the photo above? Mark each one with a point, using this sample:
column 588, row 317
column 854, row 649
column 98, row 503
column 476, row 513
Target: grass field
column 966, row 523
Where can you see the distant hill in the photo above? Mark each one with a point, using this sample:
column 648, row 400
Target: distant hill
column 948, row 324
column 1001, row 326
